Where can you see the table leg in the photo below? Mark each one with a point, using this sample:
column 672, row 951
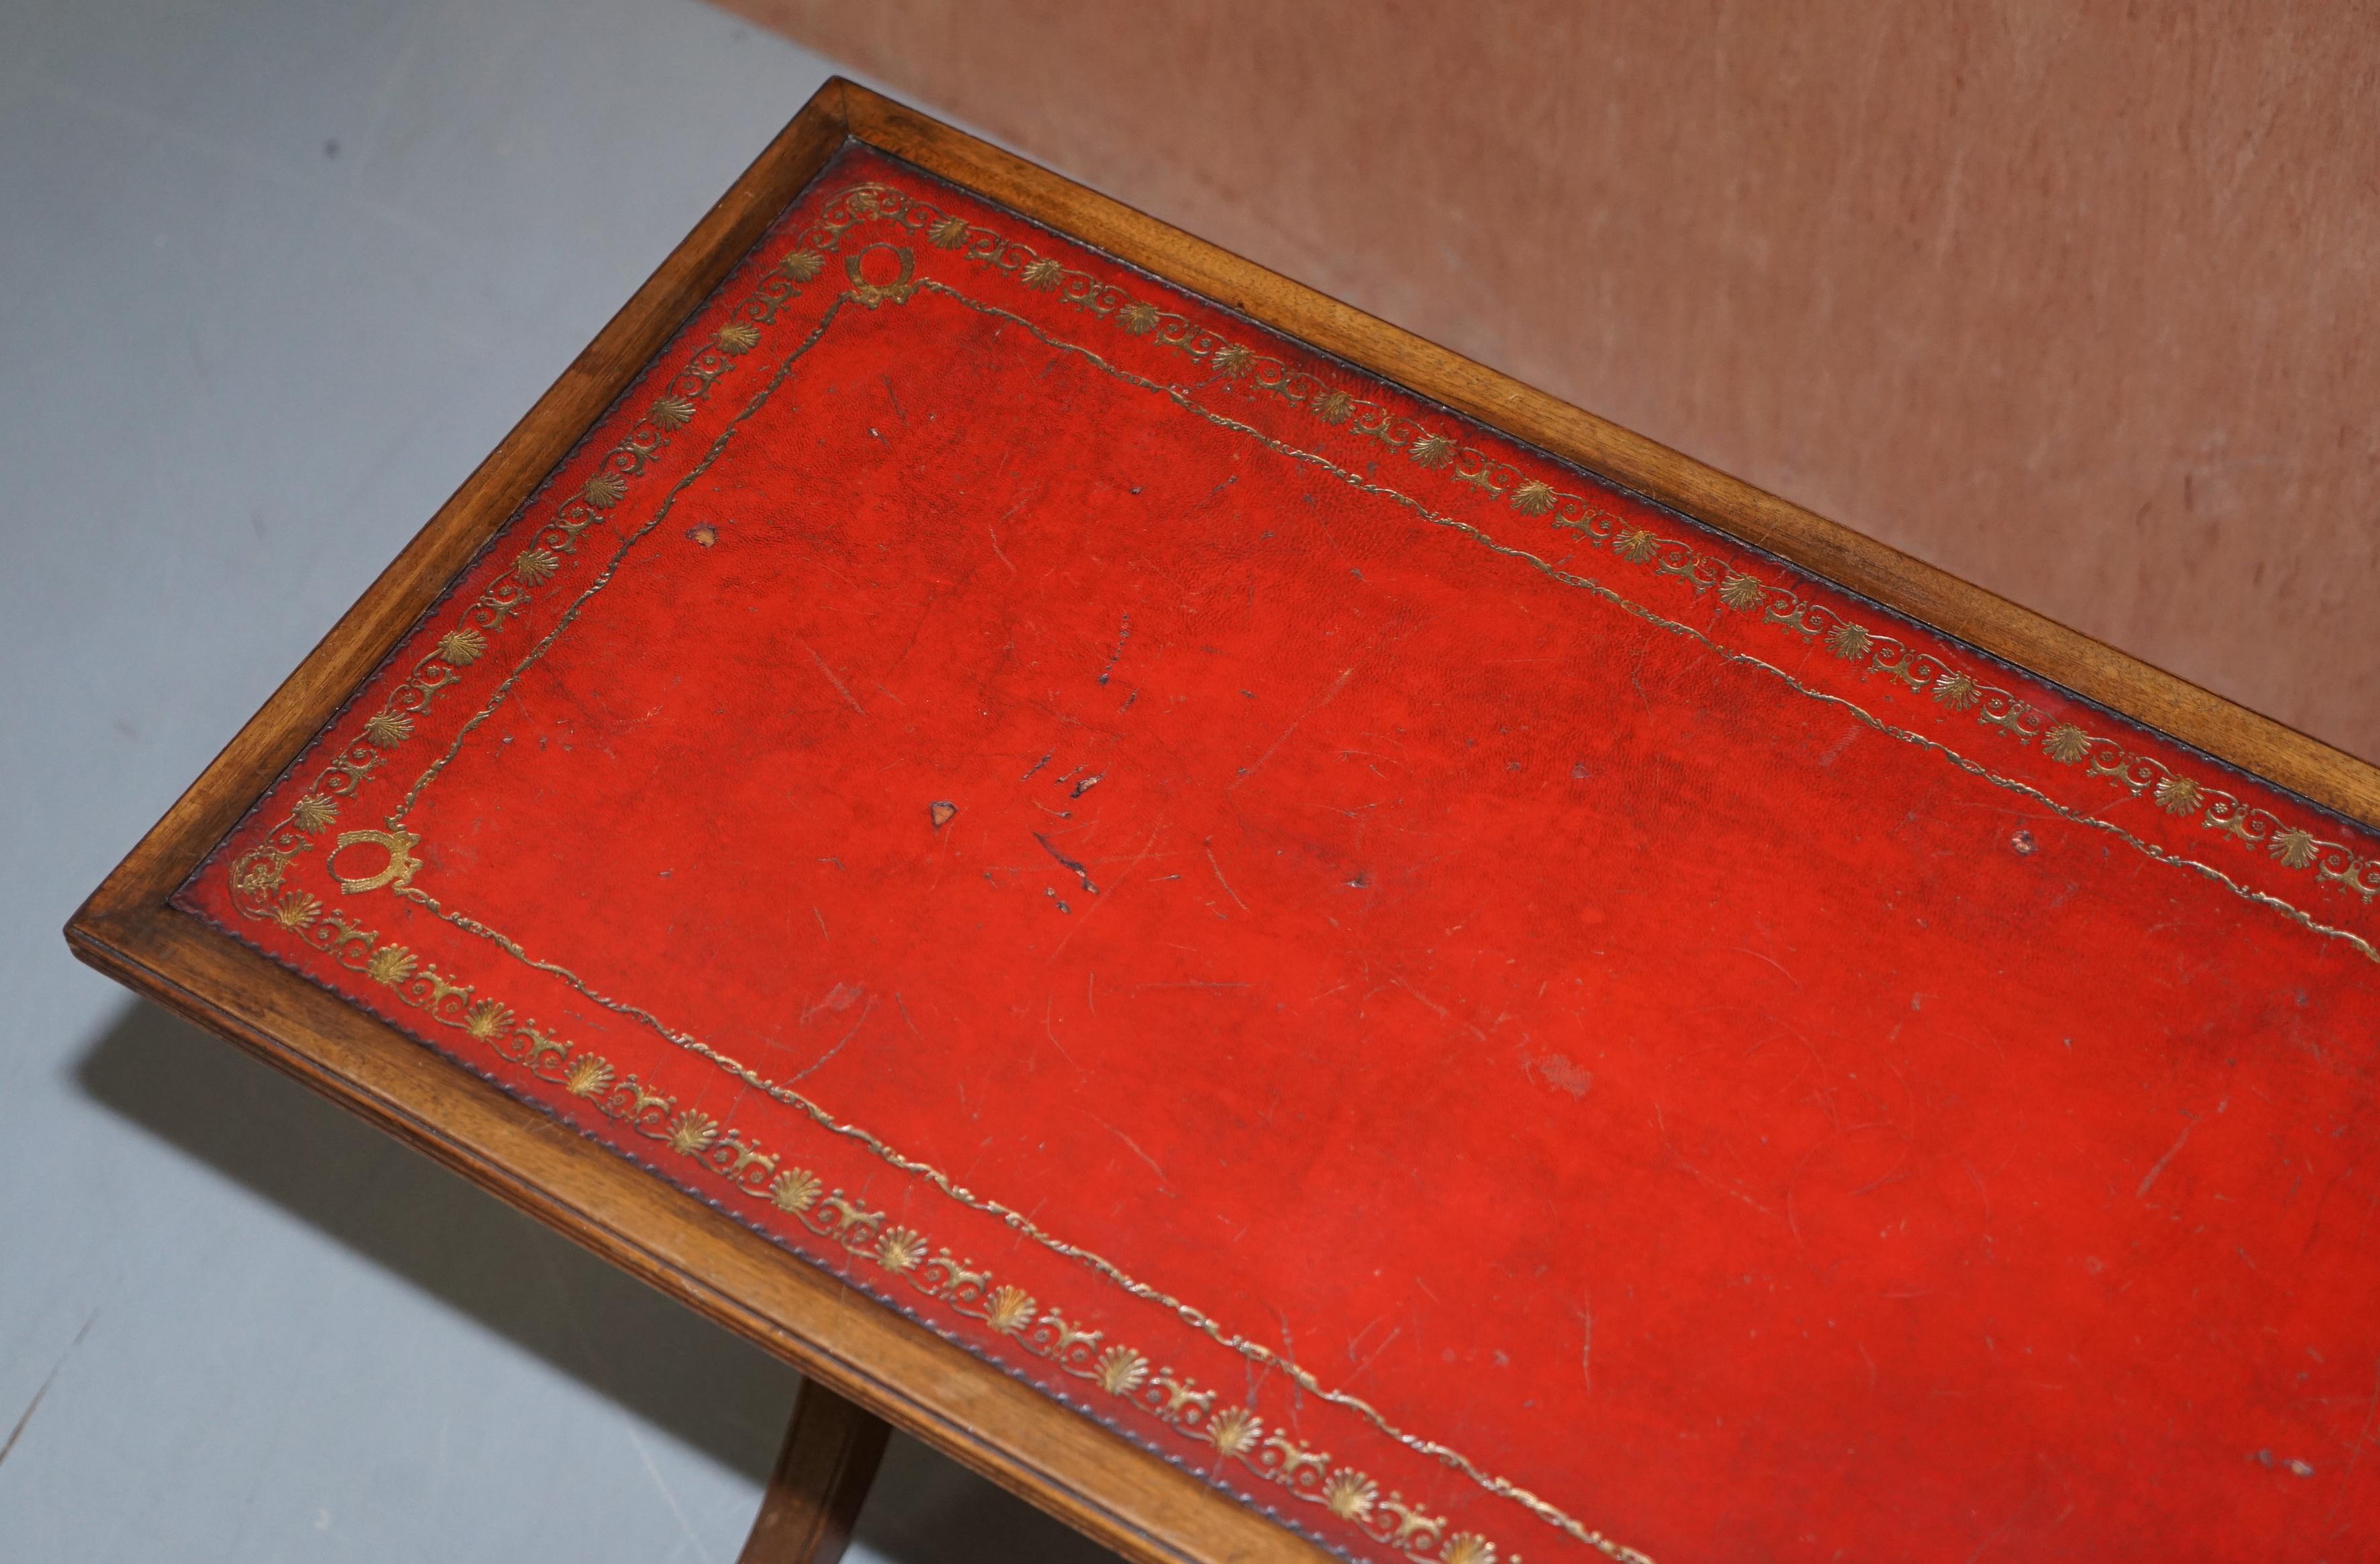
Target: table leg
column 821, row 1480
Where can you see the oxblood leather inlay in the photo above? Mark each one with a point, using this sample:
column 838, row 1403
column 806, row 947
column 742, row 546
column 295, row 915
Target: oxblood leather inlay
column 1485, row 1017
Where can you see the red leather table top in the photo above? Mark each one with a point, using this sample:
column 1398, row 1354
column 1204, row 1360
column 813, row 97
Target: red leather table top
column 1487, row 1018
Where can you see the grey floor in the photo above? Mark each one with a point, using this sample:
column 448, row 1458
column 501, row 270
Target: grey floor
column 273, row 277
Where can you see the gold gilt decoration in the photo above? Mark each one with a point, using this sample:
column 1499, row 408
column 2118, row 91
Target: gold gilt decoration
column 717, row 1161
column 897, row 291
column 535, row 566
column 487, row 1021
column 296, row 910
column 462, row 646
column 1499, row 1485
column 796, row 1191
column 900, row 1250
column 1536, row 1504
column 1958, row 691
column 258, row 873
column 397, row 870
column 1121, row 1370
column 2295, row 848
column 1502, row 1487
column 690, row 1132
column 257, row 876
column 388, row 729
column 1587, row 515
column 1011, row 1310
column 1350, row 1496
column 1649, row 544
column 2064, row 743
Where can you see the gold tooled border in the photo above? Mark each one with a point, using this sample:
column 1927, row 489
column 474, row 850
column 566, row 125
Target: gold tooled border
column 2250, row 825
column 258, row 874
column 2007, row 722
column 1535, row 496
column 1234, row 1431
column 1738, row 589
column 686, row 1041
column 1187, row 1312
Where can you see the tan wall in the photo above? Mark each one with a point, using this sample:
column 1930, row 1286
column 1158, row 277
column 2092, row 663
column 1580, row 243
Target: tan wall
column 2078, row 305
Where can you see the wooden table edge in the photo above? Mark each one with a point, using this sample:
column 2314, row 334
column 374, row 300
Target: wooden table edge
column 1111, row 1489
column 1128, row 1499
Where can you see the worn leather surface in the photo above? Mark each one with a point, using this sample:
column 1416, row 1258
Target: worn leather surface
column 2073, row 302
column 1477, row 1014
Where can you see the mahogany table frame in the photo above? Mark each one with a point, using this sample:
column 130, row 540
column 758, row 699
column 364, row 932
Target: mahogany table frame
column 863, row 1363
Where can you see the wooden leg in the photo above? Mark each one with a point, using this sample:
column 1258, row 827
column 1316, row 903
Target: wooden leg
column 821, row 1480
